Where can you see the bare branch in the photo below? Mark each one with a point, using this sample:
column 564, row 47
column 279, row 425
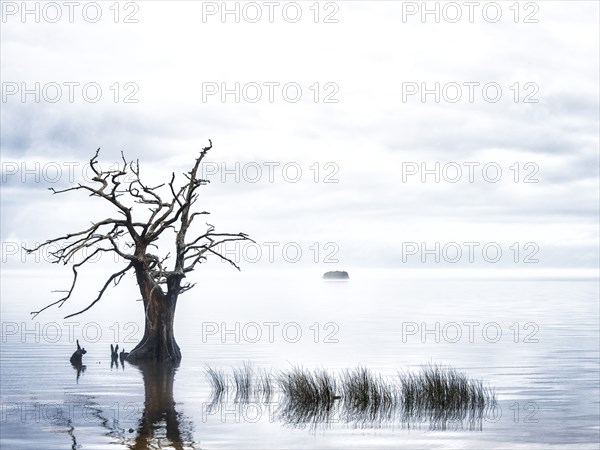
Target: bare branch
column 69, row 292
column 186, row 287
column 224, row 258
column 117, row 276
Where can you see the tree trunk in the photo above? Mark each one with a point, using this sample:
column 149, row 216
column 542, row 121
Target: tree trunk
column 158, row 343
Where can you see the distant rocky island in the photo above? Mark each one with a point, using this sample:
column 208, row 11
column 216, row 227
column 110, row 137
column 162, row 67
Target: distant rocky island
column 336, row 275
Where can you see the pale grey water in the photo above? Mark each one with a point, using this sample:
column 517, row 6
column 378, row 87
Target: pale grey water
column 546, row 376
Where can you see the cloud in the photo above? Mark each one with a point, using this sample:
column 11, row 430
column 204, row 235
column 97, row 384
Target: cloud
column 363, row 140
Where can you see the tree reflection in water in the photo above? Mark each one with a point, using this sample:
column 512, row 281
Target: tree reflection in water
column 79, row 368
column 161, row 425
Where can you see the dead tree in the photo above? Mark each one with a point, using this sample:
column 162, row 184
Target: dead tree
column 167, row 208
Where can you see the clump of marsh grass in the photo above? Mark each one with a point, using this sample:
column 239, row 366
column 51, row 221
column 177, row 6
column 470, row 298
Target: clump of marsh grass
column 218, row 384
column 243, row 379
column 305, row 386
column 263, row 389
column 216, row 379
column 367, row 396
column 308, row 396
column 443, row 393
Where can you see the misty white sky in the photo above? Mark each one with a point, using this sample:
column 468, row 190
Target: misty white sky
column 368, row 141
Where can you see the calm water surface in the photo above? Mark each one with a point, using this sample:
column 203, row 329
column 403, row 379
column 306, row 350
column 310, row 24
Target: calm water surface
column 535, row 341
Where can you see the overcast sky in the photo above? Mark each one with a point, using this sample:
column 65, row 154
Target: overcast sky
column 520, row 97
